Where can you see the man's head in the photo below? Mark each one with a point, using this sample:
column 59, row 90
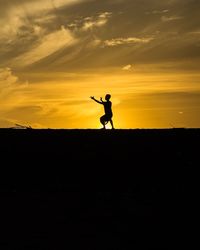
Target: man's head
column 107, row 97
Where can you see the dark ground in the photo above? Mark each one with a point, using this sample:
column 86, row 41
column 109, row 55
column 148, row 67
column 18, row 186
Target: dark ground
column 95, row 189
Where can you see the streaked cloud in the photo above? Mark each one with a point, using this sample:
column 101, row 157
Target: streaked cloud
column 7, row 79
column 11, row 93
column 90, row 29
column 195, row 33
column 157, row 11
column 92, row 22
column 48, row 45
column 127, row 67
column 129, row 40
column 32, row 23
column 22, row 14
column 10, row 87
column 171, row 18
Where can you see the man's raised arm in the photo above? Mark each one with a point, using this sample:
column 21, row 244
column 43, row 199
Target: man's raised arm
column 93, row 98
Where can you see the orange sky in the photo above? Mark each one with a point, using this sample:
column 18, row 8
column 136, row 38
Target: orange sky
column 55, row 54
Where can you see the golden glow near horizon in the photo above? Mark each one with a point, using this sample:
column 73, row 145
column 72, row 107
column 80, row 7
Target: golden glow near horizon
column 55, row 54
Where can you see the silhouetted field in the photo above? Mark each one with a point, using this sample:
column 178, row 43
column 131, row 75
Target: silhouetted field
column 98, row 189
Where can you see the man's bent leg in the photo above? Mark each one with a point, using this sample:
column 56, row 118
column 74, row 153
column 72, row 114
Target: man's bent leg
column 102, row 120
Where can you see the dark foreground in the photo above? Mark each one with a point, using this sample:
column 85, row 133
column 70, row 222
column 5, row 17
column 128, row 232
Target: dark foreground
column 94, row 189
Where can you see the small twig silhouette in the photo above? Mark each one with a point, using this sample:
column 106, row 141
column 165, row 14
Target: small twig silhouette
column 22, row 126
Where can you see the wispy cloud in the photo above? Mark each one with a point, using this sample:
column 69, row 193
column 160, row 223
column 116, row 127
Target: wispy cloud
column 195, row 33
column 48, row 45
column 100, row 20
column 170, row 18
column 40, row 34
column 127, row 67
column 7, row 79
column 9, row 83
column 10, row 91
column 22, row 14
column 129, row 40
column 38, row 6
column 36, row 24
column 157, row 12
column 91, row 22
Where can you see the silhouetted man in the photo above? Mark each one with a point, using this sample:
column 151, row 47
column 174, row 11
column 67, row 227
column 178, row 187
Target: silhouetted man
column 107, row 117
